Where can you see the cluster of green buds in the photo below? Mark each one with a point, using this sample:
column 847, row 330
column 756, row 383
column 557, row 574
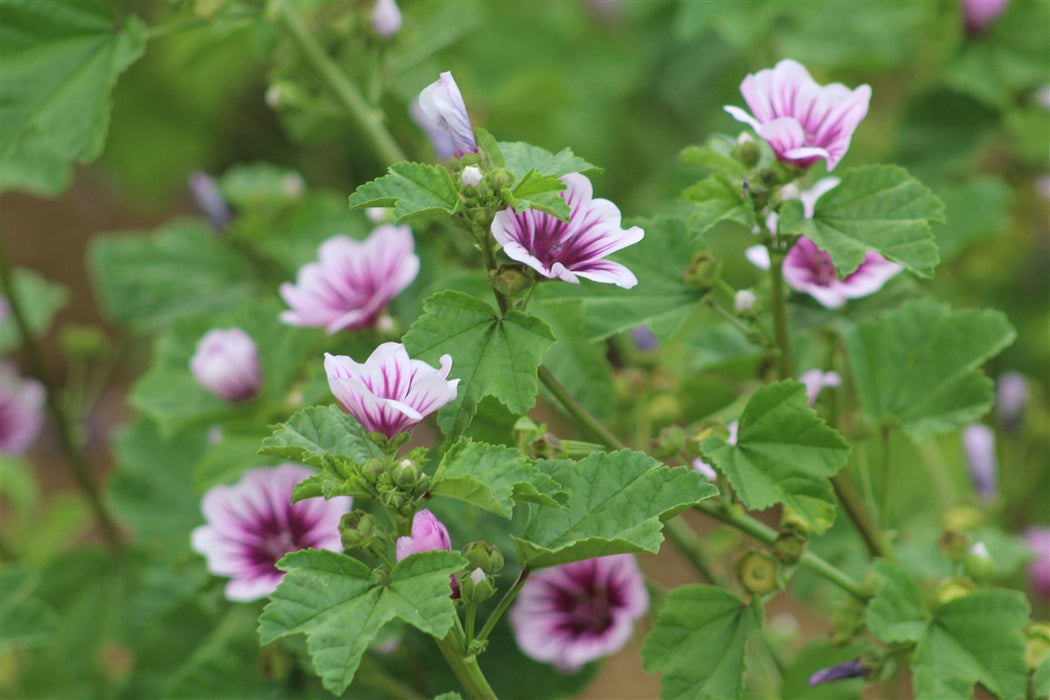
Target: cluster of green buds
column 536, row 441
column 703, row 271
column 398, row 484
column 477, row 581
column 359, row 530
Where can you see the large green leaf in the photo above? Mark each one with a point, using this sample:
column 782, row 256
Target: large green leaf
column 520, row 158
column 61, row 60
column 919, row 365
column 491, row 356
column 897, row 612
column 414, row 190
column 148, row 281
column 660, row 300
column 493, row 477
column 540, row 192
column 699, row 642
column 717, row 198
column 617, row 502
column 880, row 208
column 335, row 600
column 784, row 454
column 40, row 301
column 28, row 622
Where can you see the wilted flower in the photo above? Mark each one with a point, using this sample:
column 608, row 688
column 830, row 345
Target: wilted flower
column 847, row 669
column 428, row 534
column 1011, row 395
column 226, row 363
column 253, row 523
column 816, row 381
column 1038, row 540
column 573, row 249
column 809, row 269
column 21, row 410
column 209, row 198
column 386, row 18
column 442, row 104
column 571, row 614
column 979, row 448
column 978, row 15
column 390, row 392
column 802, row 121
column 353, row 280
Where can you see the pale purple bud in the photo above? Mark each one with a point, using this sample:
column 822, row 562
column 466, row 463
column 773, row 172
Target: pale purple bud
column 21, row 410
column 428, row 534
column 390, row 392
column 644, row 339
column 816, row 381
column 572, row 614
column 1011, row 395
column 802, row 121
column 569, row 250
column 210, row 200
column 1038, row 540
column 847, row 669
column 979, row 448
column 471, row 176
column 226, row 363
column 386, row 18
column 744, row 299
column 436, row 134
column 979, row 15
column 443, row 105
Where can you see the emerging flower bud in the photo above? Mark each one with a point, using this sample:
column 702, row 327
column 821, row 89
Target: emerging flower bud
column 1038, row 540
column 744, row 301
column 703, row 271
column 979, row 447
column 428, row 534
column 847, row 669
column 979, row 15
column 357, row 530
column 226, row 363
column 209, row 198
column 1011, row 395
column 21, row 410
column 471, row 176
column 442, row 103
column 386, row 18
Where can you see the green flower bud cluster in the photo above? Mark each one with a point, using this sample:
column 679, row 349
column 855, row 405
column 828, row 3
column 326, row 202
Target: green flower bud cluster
column 536, row 441
column 477, row 581
column 398, row 484
column 703, row 271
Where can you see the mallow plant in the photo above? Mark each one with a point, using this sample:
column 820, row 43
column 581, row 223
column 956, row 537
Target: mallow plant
column 424, row 441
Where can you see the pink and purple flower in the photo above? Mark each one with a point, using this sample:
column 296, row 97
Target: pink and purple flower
column 226, row 363
column 390, row 392
column 253, row 523
column 979, row 15
column 1038, row 540
column 442, row 104
column 386, row 18
column 803, row 122
column 353, row 280
column 21, row 410
column 569, row 250
column 572, row 614
column 428, row 534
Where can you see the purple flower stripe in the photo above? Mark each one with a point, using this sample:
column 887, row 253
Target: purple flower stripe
column 572, row 614
column 252, row 524
column 353, row 281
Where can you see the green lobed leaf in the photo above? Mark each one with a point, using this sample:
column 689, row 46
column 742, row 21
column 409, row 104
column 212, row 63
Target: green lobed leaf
column 919, row 365
column 491, row 356
column 493, row 477
column 974, row 639
column 489, row 148
column 660, row 300
column 699, row 642
column 880, row 208
column 540, row 192
column 714, row 155
column 617, row 503
column 784, row 454
column 718, row 198
column 520, row 158
column 28, row 622
column 40, row 300
column 61, row 60
column 414, row 190
column 334, row 600
column 896, row 613
column 182, row 269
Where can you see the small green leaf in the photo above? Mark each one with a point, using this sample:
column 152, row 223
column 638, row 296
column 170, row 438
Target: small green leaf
column 521, row 157
column 660, row 300
column 493, row 477
column 61, row 60
column 489, row 148
column 617, row 502
column 784, row 454
column 414, row 190
column 896, row 613
column 919, row 364
column 40, row 300
column 492, row 356
column 335, row 601
column 540, row 192
column 880, row 208
column 699, row 642
column 717, row 198
column 714, row 155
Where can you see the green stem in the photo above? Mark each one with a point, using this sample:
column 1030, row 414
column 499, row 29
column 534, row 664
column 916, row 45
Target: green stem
column 465, row 667
column 861, row 518
column 580, row 414
column 504, row 603
column 683, row 537
column 367, row 119
column 767, row 535
column 778, row 304
column 63, row 422
column 373, row 675
column 884, row 492
column 469, row 622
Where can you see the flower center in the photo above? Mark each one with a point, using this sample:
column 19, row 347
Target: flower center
column 824, row 269
column 587, row 611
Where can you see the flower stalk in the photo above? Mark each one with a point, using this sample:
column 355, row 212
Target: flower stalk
column 453, row 648
column 504, row 603
column 778, row 307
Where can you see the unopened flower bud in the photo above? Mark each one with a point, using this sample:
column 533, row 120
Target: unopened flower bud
column 471, row 176
column 546, row 446
column 484, row 557
column 791, row 521
column 428, row 533
column 952, row 588
column 953, row 544
column 1037, row 644
column 747, row 152
column 226, row 363
column 372, row 470
column 510, row 280
column 757, row 572
column 357, row 529
column 500, row 178
column 1011, row 395
column 744, row 301
column 978, row 560
column 406, row 474
column 475, row 586
column 979, row 447
column 669, row 443
column 386, row 18
column 789, row 547
column 394, row 500
column 703, row 271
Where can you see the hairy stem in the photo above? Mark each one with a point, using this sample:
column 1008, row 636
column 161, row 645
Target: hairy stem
column 504, row 603
column 465, row 667
column 778, row 304
column 854, row 507
column 368, row 120
column 64, row 423
column 580, row 414
column 687, row 542
column 884, row 492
